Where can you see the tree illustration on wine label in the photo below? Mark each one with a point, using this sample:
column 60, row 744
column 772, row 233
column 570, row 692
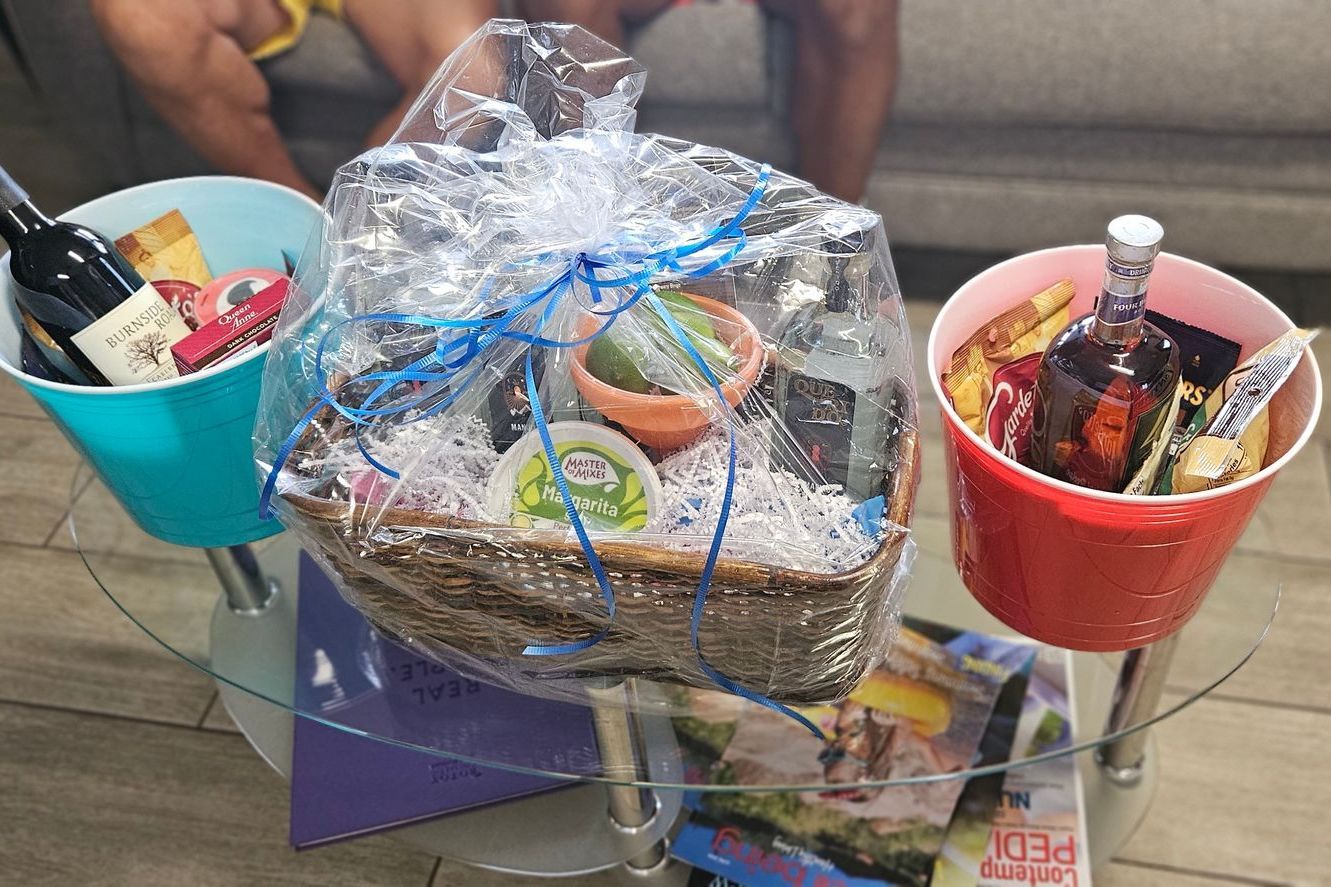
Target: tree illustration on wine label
column 147, row 351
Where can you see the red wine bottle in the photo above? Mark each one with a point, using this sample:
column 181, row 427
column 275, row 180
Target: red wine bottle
column 112, row 324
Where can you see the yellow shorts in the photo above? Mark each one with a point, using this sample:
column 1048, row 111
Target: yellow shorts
column 298, row 16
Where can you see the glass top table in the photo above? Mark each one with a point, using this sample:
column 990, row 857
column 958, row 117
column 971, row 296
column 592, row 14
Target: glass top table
column 361, row 683
column 172, row 593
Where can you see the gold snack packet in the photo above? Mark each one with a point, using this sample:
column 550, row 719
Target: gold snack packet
column 166, row 249
column 1026, row 329
column 1228, row 436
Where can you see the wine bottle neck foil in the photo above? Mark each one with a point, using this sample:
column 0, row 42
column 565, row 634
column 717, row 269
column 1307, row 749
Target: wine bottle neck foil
column 11, row 192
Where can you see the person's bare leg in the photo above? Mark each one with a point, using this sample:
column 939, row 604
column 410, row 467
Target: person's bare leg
column 411, row 38
column 604, row 18
column 601, row 17
column 189, row 59
column 846, row 56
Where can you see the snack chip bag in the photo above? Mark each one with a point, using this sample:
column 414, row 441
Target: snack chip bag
column 991, row 378
column 167, row 253
column 1204, row 360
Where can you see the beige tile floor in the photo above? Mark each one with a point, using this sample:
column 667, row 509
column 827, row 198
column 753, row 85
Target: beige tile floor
column 118, row 767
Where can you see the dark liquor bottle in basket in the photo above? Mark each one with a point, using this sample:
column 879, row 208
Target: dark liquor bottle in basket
column 833, row 389
column 1107, row 389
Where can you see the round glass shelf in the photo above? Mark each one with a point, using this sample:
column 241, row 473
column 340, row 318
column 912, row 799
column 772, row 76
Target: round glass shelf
column 352, row 679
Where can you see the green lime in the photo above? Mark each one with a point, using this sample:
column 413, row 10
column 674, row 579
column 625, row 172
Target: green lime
column 613, row 363
column 641, row 347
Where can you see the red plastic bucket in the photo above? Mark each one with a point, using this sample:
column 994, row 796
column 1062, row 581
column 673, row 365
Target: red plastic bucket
column 1080, row 568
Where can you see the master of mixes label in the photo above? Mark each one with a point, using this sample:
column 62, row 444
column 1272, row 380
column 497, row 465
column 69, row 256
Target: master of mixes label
column 607, row 493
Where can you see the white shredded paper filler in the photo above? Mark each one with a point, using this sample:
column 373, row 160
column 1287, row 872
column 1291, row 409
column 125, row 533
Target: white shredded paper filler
column 776, row 517
column 445, row 463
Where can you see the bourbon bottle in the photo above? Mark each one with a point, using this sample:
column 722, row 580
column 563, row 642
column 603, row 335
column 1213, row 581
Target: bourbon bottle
column 1107, row 389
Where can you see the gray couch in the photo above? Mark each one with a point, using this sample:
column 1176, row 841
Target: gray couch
column 1018, row 124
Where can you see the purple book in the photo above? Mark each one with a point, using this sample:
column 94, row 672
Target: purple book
column 344, row 785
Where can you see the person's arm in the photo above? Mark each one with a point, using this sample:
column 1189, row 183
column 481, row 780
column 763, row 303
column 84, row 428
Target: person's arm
column 187, row 58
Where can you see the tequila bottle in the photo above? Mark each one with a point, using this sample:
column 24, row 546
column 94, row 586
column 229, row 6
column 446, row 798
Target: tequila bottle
column 834, row 391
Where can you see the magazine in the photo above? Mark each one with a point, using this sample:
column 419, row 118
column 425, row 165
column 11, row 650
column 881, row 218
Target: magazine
column 967, row 839
column 922, row 713
column 704, row 878
column 345, row 785
column 1039, row 834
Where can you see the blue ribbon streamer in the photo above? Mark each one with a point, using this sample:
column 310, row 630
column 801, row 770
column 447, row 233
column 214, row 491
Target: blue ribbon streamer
column 476, row 335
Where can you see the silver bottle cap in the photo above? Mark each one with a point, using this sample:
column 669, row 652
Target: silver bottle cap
column 1134, row 240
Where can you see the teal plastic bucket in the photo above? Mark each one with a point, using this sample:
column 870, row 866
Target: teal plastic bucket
column 178, row 454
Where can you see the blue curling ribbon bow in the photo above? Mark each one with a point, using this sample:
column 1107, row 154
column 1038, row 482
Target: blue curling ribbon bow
column 454, row 361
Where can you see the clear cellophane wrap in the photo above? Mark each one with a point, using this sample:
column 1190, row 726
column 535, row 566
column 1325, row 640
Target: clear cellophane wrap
column 513, row 221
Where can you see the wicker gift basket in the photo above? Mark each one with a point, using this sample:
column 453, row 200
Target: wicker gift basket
column 442, row 584
column 513, row 223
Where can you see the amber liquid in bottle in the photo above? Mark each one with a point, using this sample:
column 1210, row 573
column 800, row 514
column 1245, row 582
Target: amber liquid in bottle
column 1107, row 390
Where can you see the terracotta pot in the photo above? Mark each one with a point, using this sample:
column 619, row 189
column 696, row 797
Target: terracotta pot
column 669, row 421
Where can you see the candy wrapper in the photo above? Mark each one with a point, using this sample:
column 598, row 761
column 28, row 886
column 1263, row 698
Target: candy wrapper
column 559, row 401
